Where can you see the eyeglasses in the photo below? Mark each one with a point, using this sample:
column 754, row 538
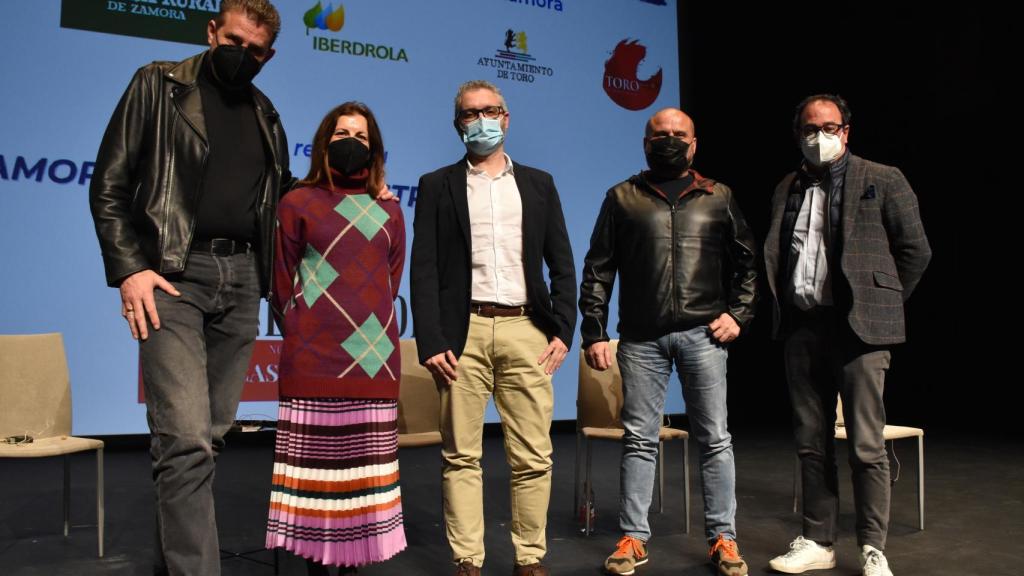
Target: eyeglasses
column 831, row 128
column 468, row 115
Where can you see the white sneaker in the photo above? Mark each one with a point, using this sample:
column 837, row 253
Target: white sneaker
column 805, row 555
column 874, row 562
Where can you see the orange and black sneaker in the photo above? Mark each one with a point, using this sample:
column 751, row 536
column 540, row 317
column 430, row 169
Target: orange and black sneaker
column 629, row 553
column 725, row 554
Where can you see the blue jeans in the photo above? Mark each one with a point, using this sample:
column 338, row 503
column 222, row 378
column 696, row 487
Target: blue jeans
column 646, row 367
column 193, row 369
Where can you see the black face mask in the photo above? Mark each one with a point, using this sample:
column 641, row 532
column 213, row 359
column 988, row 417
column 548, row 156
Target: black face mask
column 668, row 156
column 348, row 155
column 234, row 66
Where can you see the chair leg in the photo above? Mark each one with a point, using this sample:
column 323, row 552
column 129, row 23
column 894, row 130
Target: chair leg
column 661, row 477
column 100, row 511
column 588, row 492
column 67, row 494
column 686, row 482
column 576, row 477
column 798, row 487
column 920, row 482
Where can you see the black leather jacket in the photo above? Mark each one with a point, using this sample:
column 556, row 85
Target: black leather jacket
column 149, row 170
column 679, row 265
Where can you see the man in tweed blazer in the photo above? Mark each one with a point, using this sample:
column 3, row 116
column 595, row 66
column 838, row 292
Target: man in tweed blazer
column 844, row 252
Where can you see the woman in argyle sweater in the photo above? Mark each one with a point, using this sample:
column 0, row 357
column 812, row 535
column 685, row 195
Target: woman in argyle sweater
column 335, row 498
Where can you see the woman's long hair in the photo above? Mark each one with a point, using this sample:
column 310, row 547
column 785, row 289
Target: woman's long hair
column 319, row 167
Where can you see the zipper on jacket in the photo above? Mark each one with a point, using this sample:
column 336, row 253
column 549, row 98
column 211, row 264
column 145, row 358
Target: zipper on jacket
column 675, row 314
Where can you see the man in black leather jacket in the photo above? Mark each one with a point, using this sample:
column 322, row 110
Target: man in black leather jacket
column 686, row 264
column 184, row 201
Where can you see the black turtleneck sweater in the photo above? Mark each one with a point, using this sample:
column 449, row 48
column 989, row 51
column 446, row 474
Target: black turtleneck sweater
column 670, row 187
column 236, row 163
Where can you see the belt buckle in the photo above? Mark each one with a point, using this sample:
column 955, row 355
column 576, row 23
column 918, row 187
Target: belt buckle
column 222, row 247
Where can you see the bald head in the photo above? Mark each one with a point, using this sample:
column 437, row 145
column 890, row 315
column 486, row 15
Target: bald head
column 670, row 122
column 669, row 143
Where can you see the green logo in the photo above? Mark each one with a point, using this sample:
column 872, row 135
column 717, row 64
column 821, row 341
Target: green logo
column 324, row 19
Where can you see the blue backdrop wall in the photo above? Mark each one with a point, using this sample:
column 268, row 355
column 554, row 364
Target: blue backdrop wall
column 581, row 78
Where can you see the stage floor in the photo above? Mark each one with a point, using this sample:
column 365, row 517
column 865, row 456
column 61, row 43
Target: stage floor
column 974, row 504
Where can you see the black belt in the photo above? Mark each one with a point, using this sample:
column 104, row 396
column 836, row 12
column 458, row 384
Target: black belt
column 490, row 310
column 221, row 247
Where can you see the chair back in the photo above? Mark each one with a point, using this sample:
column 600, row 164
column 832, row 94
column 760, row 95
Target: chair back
column 419, row 404
column 599, row 396
column 35, row 390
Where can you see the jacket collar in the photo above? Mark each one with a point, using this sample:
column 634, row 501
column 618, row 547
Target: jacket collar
column 835, row 170
column 185, row 75
column 699, row 183
column 187, row 71
column 456, row 177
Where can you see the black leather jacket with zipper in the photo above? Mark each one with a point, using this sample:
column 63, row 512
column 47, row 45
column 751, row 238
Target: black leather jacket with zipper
column 150, row 167
column 679, row 265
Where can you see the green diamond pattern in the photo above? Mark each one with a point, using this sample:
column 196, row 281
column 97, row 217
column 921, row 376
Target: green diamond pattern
column 364, row 213
column 316, row 275
column 369, row 346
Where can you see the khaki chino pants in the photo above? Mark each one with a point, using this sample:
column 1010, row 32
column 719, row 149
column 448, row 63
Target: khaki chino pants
column 500, row 360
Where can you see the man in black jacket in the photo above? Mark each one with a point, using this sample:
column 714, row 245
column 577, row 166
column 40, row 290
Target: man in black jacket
column 686, row 264
column 487, row 324
column 184, row 197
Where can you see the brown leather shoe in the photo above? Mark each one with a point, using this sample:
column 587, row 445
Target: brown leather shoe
column 535, row 569
column 466, row 568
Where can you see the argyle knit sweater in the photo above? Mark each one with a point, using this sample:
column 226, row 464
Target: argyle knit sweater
column 338, row 263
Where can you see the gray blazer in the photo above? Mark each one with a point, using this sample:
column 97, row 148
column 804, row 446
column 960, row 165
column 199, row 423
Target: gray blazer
column 884, row 249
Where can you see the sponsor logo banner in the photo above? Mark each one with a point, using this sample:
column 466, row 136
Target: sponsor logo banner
column 515, row 62
column 332, row 19
column 555, row 5
column 50, row 170
column 620, row 77
column 173, row 20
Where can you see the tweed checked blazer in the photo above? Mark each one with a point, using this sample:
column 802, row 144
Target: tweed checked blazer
column 884, row 251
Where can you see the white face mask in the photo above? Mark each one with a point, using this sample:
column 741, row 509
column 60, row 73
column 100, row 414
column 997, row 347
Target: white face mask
column 821, row 148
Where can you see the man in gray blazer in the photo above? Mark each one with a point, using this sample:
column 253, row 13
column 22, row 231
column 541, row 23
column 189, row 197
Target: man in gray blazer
column 844, row 251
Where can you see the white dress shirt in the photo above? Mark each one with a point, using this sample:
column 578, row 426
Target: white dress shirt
column 812, row 284
column 496, row 231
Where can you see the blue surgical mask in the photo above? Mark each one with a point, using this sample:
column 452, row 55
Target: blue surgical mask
column 483, row 136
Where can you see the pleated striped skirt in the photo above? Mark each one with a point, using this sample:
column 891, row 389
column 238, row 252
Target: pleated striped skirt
column 335, row 496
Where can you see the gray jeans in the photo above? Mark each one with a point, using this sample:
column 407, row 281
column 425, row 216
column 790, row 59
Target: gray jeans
column 193, row 370
column 823, row 358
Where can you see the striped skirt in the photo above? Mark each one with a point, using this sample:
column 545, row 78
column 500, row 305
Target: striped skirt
column 335, row 496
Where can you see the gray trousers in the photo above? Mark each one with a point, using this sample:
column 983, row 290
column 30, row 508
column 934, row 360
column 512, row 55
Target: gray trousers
column 824, row 357
column 193, row 370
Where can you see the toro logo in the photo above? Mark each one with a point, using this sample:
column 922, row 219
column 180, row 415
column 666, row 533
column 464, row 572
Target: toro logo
column 620, row 81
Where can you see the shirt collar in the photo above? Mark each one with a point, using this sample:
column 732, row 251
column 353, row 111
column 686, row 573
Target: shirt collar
column 474, row 171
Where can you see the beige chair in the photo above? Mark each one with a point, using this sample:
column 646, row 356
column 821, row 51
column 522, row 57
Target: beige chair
column 35, row 400
column 419, row 404
column 598, row 403
column 890, row 434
